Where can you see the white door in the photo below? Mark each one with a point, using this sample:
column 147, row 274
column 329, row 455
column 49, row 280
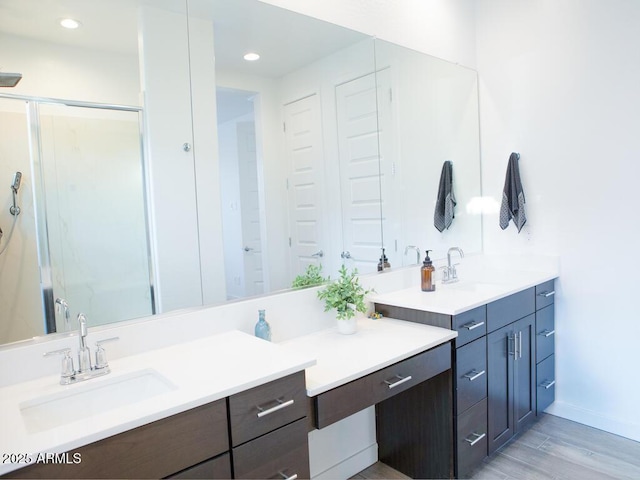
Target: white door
column 390, row 184
column 303, row 140
column 250, row 209
column 356, row 110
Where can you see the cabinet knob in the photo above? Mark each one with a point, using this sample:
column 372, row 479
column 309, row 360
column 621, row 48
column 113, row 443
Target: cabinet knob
column 262, row 412
column 401, row 380
column 287, row 477
column 474, row 374
column 478, row 437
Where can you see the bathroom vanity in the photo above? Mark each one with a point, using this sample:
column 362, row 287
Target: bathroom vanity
column 473, row 366
column 226, row 416
column 402, row 369
column 503, row 360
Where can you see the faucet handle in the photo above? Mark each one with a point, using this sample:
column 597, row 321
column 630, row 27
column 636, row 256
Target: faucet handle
column 67, row 370
column 101, row 355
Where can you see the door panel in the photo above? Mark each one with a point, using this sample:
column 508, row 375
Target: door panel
column 356, row 110
column 303, row 141
column 524, row 373
column 500, row 386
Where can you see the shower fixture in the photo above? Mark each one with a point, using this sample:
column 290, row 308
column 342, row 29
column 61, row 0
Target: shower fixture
column 9, row 79
column 14, row 209
column 15, row 185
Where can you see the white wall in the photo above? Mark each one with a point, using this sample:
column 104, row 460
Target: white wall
column 442, row 28
column 62, row 71
column 559, row 84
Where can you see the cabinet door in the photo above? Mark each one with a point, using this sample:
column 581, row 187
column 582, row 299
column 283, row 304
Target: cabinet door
column 524, row 391
column 500, row 352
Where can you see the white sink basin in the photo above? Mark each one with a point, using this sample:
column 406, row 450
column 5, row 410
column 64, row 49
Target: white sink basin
column 470, row 286
column 78, row 402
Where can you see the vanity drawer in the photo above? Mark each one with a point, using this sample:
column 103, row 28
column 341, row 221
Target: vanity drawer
column 471, row 447
column 545, row 294
column 509, row 309
column 352, row 397
column 403, row 375
column 471, row 374
column 262, row 409
column 279, row 454
column 470, row 325
column 545, row 332
column 546, row 383
column 219, row 467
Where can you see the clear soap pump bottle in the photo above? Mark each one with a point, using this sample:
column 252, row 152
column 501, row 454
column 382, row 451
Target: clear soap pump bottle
column 427, row 280
column 263, row 329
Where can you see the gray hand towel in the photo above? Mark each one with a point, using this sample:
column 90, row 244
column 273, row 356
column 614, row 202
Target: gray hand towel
column 513, row 201
column 446, row 201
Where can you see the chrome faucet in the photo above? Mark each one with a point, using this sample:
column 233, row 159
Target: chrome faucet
column 61, row 304
column 85, row 370
column 449, row 273
column 413, row 247
column 84, row 354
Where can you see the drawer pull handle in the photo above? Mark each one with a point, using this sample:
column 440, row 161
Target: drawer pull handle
column 399, row 382
column 547, row 333
column 548, row 384
column 287, row 477
column 471, row 325
column 472, row 375
column 280, row 406
column 479, row 436
column 547, row 294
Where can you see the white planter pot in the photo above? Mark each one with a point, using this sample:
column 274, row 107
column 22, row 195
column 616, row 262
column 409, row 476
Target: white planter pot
column 347, row 327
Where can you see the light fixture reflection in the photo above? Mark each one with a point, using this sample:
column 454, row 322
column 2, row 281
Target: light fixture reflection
column 251, row 57
column 70, row 23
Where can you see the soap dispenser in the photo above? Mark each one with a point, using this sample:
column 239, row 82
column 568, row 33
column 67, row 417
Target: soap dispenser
column 427, row 280
column 263, row 329
column 384, row 262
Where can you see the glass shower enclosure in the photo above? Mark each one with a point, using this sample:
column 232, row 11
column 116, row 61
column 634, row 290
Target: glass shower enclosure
column 87, row 214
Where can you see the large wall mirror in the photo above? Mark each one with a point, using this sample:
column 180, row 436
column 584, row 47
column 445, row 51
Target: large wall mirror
column 174, row 173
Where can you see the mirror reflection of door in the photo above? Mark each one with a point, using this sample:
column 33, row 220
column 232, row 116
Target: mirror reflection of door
column 240, row 193
column 303, row 147
column 94, row 250
column 356, row 110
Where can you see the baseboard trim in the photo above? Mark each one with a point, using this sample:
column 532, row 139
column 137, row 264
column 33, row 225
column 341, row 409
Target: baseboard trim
column 352, row 465
column 622, row 427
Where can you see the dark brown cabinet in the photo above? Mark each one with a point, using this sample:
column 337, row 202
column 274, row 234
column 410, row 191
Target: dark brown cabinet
column 511, row 382
column 268, row 427
column 503, row 368
column 258, row 433
column 545, row 346
column 469, row 360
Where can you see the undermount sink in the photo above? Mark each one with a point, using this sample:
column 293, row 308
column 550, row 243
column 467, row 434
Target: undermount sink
column 54, row 410
column 470, row 286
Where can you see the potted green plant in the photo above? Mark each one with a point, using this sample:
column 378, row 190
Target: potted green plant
column 346, row 296
column 310, row 278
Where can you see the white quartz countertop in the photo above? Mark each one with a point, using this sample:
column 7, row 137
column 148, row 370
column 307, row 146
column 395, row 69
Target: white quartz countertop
column 376, row 344
column 456, row 298
column 198, row 372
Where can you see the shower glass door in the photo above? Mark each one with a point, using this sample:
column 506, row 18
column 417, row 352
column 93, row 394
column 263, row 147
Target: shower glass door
column 92, row 218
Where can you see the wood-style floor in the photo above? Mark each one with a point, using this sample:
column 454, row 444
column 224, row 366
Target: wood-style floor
column 553, row 448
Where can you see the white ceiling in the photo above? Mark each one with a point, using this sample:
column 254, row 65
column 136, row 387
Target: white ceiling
column 285, row 40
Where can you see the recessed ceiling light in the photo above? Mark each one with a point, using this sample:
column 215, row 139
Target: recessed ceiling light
column 251, row 57
column 70, row 23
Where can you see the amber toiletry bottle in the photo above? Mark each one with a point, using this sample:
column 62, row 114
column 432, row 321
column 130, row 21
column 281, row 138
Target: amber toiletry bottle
column 426, row 274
